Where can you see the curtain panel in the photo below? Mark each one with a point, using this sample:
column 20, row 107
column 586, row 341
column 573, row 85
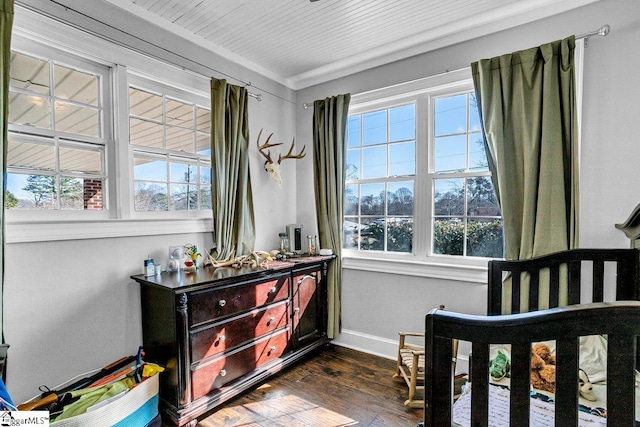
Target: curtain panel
column 231, row 195
column 329, row 146
column 527, row 103
column 6, row 24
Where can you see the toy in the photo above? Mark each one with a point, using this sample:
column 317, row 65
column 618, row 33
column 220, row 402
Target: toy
column 543, row 368
column 585, row 387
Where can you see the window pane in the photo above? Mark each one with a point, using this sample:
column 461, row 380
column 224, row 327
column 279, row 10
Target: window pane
column 30, row 156
column 145, row 104
column 30, row 110
column 203, row 144
column 477, row 154
column 402, row 159
column 183, row 172
column 77, row 119
column 71, row 193
column 374, row 127
column 400, row 198
column 353, row 131
column 353, row 164
column 205, row 174
column 372, row 199
column 179, row 114
column 351, row 199
column 450, row 115
column 150, row 169
column 450, row 153
column 448, row 236
column 179, row 139
column 82, row 161
column 75, row 85
column 184, row 197
column 30, row 192
column 484, row 238
column 402, row 123
column 150, row 196
column 399, row 234
column 474, row 116
column 481, row 198
column 148, row 134
column 350, row 234
column 372, row 234
column 203, row 120
column 449, row 196
column 374, row 162
column 29, row 73
column 205, row 197
column 92, row 194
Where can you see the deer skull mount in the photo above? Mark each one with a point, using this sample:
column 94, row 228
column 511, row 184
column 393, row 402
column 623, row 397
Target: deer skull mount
column 273, row 168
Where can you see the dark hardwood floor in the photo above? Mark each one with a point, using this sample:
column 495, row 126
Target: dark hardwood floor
column 336, row 387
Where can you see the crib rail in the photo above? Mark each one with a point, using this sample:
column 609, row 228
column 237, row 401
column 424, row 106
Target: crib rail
column 619, row 320
column 626, row 286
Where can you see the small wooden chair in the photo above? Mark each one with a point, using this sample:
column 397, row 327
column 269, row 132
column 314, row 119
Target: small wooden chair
column 410, row 365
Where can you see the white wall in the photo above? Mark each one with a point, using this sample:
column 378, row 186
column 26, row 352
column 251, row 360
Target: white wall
column 376, row 305
column 70, row 306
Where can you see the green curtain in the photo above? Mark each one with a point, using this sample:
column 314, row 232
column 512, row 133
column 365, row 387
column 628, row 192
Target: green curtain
column 232, row 199
column 527, row 103
column 329, row 134
column 6, row 23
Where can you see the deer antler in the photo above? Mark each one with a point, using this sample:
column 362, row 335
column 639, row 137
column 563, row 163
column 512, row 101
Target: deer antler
column 266, row 145
column 300, row 155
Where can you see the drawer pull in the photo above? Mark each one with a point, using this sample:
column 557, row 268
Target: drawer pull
column 297, row 309
column 272, row 349
column 272, row 319
column 223, row 372
column 222, row 303
column 273, row 290
column 222, row 338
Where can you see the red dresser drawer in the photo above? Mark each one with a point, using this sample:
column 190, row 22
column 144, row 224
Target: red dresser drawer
column 238, row 330
column 225, row 301
column 211, row 375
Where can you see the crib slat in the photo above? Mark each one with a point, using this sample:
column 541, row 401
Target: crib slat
column 520, row 380
column 620, row 380
column 575, row 274
column 566, row 392
column 479, row 385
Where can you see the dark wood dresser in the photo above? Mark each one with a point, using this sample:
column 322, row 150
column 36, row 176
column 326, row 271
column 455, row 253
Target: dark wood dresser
column 219, row 331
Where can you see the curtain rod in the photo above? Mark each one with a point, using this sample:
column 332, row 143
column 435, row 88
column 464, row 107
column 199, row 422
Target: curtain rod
column 602, row 31
column 22, row 3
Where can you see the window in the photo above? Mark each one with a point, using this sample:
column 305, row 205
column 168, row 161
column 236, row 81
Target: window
column 57, row 135
column 417, row 177
column 170, row 137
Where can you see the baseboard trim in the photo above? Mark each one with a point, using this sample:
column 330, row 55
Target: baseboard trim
column 382, row 347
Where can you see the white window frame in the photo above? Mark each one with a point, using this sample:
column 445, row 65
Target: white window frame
column 32, row 30
column 170, row 90
column 420, row 262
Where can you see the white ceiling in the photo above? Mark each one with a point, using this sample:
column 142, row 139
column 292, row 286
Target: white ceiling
column 301, row 43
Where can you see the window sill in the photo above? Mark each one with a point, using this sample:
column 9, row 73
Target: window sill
column 475, row 271
column 47, row 231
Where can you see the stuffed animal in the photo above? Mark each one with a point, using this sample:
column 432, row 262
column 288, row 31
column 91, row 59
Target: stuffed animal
column 543, row 368
column 585, row 387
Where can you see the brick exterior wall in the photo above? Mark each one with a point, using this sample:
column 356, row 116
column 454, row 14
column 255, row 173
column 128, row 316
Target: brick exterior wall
column 93, row 194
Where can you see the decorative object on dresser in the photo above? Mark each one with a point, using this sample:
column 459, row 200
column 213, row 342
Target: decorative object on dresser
column 220, row 331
